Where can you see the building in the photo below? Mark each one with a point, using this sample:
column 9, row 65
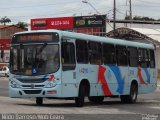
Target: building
column 6, row 32
column 93, row 25
column 133, row 24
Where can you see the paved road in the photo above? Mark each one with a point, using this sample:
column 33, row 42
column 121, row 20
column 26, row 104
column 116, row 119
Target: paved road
column 147, row 106
column 3, row 86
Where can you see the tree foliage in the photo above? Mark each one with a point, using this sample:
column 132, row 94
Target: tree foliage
column 22, row 25
column 141, row 18
column 5, row 20
column 127, row 18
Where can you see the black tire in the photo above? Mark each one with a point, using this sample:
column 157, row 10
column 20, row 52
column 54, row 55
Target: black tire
column 5, row 75
column 133, row 93
column 96, row 99
column 39, row 101
column 79, row 101
column 132, row 97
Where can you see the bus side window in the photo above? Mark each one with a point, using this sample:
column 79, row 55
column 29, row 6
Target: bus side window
column 109, row 54
column 151, row 58
column 133, row 56
column 143, row 58
column 68, row 56
column 95, row 53
column 121, row 55
column 82, row 51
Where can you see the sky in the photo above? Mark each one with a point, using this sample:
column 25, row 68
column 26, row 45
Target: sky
column 24, row 10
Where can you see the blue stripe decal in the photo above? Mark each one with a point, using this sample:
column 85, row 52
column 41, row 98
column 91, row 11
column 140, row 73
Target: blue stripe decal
column 147, row 74
column 118, row 76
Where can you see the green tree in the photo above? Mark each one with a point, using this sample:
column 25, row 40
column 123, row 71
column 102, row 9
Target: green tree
column 143, row 18
column 22, row 25
column 5, row 20
column 137, row 18
column 127, row 17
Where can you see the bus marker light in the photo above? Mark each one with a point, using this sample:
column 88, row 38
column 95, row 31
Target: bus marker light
column 52, row 92
column 57, row 79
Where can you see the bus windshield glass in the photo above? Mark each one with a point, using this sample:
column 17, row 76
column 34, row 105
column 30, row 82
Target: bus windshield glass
column 34, row 59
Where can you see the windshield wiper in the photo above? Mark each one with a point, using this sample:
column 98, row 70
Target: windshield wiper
column 37, row 61
column 42, row 48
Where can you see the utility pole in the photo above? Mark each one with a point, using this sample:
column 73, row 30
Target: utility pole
column 114, row 16
column 130, row 9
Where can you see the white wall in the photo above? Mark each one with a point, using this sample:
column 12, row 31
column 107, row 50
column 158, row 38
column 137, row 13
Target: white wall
column 5, row 57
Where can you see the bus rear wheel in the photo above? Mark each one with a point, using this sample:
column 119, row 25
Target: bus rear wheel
column 39, row 101
column 96, row 99
column 132, row 97
column 79, row 101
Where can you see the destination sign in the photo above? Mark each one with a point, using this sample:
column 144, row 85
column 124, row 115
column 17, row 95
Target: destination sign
column 36, row 37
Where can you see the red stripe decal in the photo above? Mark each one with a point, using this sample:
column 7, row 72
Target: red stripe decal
column 140, row 76
column 101, row 78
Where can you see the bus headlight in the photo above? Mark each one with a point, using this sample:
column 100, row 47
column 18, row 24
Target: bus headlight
column 50, row 85
column 13, row 84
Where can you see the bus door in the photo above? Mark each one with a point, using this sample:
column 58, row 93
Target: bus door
column 68, row 69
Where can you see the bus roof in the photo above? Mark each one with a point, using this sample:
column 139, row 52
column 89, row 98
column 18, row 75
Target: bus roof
column 82, row 36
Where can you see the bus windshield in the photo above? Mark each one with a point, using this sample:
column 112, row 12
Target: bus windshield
column 34, row 59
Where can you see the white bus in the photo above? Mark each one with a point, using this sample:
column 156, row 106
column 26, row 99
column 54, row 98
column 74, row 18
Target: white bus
column 67, row 65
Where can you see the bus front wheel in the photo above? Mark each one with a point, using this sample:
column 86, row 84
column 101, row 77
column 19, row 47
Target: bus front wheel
column 39, row 101
column 79, row 101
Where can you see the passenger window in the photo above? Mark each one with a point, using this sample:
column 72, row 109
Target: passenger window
column 95, row 53
column 109, row 54
column 121, row 55
column 151, row 58
column 81, row 51
column 143, row 58
column 68, row 56
column 133, row 56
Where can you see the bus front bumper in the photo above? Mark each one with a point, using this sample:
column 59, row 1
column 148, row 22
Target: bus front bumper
column 38, row 92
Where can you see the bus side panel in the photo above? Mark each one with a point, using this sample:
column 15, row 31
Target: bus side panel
column 132, row 75
column 117, row 78
column 88, row 72
column 69, row 83
column 147, row 80
column 111, row 80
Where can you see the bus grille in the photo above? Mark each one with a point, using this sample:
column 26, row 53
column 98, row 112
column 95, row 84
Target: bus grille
column 38, row 80
column 32, row 91
column 29, row 86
